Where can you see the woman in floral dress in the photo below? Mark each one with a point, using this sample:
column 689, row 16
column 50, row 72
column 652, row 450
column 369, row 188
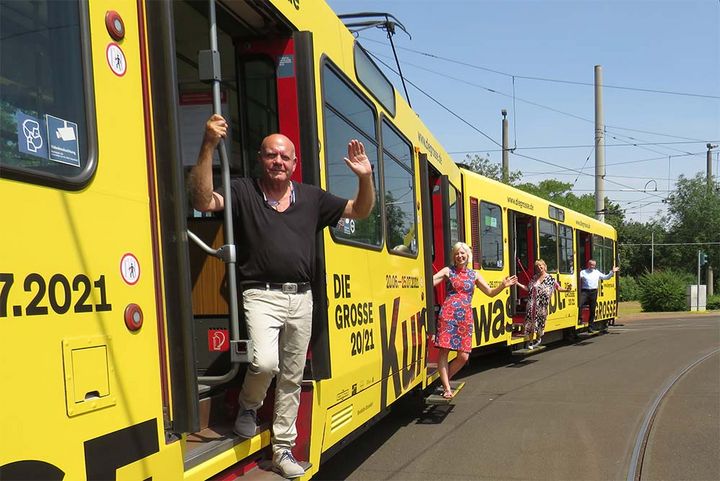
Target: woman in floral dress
column 455, row 323
column 540, row 287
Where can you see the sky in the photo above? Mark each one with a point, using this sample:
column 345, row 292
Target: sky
column 536, row 59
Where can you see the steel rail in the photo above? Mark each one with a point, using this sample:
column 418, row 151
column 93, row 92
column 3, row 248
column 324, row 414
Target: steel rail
column 643, row 435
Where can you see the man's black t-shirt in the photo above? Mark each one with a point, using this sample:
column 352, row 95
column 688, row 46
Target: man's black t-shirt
column 277, row 246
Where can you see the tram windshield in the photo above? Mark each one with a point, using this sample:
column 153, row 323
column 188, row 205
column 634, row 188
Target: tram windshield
column 43, row 127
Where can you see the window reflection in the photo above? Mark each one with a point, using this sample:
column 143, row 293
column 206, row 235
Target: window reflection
column 347, row 117
column 43, row 123
column 400, row 212
column 491, row 236
column 549, row 244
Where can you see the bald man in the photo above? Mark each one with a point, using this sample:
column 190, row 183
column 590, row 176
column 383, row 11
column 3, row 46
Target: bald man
column 276, row 220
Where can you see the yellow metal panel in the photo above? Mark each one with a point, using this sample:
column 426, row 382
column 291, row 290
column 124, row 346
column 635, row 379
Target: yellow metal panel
column 82, row 236
column 87, row 374
column 90, row 372
column 344, row 418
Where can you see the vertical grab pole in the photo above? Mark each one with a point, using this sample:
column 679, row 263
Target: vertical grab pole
column 228, row 250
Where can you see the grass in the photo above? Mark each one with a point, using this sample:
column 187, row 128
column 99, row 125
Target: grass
column 629, row 307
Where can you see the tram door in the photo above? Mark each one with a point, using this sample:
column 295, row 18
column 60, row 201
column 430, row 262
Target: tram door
column 523, row 248
column 443, row 230
column 267, row 86
column 584, row 254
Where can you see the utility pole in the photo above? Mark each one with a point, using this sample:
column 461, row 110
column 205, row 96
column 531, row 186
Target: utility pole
column 697, row 299
column 709, row 165
column 599, row 148
column 652, row 252
column 710, row 277
column 710, row 280
column 505, row 160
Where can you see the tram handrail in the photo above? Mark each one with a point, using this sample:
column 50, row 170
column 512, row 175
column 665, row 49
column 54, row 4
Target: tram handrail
column 202, row 245
column 228, row 250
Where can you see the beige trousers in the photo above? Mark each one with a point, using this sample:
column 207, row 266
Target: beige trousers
column 279, row 326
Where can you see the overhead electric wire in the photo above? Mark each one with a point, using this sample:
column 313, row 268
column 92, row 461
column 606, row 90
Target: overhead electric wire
column 582, row 169
column 514, row 97
column 647, row 142
column 543, row 79
column 493, row 140
column 583, row 146
column 531, row 174
column 376, row 56
column 575, row 170
column 637, row 161
column 440, row 104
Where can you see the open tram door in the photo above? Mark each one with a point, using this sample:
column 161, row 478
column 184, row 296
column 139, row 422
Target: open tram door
column 442, row 224
column 584, row 254
column 267, row 85
column 523, row 252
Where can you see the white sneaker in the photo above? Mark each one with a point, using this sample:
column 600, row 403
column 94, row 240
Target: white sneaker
column 286, row 465
column 531, row 346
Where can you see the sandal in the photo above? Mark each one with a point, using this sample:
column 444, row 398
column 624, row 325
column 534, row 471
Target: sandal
column 447, row 395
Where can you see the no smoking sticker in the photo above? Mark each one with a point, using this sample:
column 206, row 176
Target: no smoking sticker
column 130, row 269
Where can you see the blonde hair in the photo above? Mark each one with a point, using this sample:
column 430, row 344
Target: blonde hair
column 540, row 262
column 466, row 248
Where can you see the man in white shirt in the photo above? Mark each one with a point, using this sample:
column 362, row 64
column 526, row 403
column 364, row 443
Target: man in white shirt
column 589, row 280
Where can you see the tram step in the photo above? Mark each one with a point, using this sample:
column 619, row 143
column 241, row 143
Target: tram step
column 586, row 334
column 437, row 398
column 212, row 410
column 264, row 472
column 528, row 352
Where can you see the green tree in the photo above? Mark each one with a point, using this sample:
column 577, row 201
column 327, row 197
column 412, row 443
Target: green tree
column 396, row 222
column 636, row 259
column 693, row 216
column 560, row 193
column 485, row 167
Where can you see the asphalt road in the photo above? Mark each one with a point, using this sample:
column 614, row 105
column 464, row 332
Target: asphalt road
column 572, row 412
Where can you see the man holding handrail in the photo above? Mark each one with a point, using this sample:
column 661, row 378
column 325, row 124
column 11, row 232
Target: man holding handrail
column 276, row 220
column 589, row 281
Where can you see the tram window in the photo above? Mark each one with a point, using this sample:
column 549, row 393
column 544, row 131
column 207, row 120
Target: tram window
column 609, row 254
column 349, row 116
column 455, row 213
column 597, row 252
column 549, row 244
column 566, row 249
column 45, row 134
column 491, row 236
column 400, row 212
column 257, row 76
column 374, row 80
column 556, row 213
column 475, row 232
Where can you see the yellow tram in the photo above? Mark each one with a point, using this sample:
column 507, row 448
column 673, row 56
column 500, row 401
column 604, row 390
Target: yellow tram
column 117, row 350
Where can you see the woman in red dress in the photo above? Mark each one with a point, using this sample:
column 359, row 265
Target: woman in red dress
column 455, row 323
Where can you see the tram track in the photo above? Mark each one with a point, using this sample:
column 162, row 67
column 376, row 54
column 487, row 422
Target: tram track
column 643, row 435
column 496, row 397
column 583, row 403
